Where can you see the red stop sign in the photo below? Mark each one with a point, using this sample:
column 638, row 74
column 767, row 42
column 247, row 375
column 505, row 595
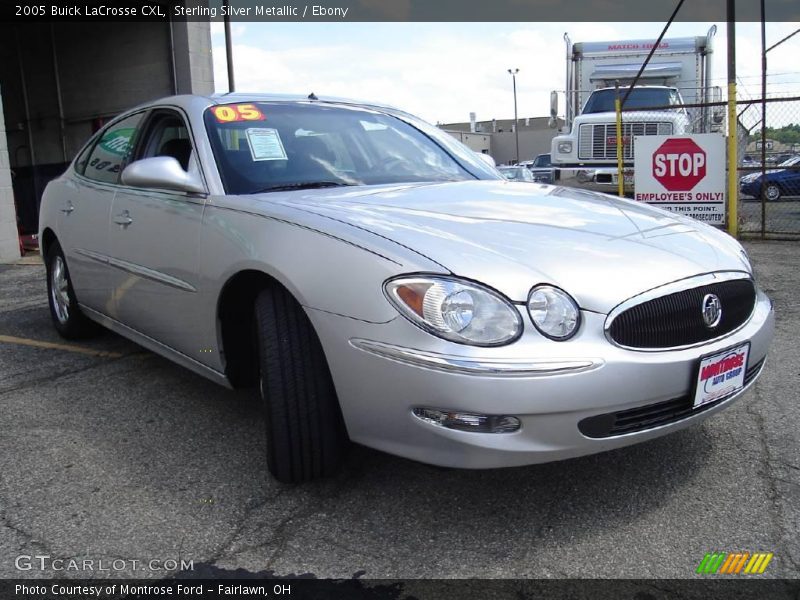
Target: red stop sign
column 679, row 164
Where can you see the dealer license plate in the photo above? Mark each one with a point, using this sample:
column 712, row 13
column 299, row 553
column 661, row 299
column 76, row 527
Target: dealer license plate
column 721, row 375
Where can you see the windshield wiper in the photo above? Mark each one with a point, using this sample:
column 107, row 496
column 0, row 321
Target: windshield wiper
column 305, row 185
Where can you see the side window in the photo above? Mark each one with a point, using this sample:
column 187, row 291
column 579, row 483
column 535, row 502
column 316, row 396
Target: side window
column 167, row 135
column 83, row 159
column 106, row 158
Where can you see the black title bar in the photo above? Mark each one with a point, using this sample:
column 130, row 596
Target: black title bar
column 706, row 588
column 17, row 11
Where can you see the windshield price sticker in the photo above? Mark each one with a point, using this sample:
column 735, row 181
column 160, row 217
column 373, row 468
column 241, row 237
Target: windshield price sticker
column 265, row 144
column 231, row 113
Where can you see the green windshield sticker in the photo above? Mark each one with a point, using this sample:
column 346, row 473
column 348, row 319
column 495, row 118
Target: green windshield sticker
column 117, row 141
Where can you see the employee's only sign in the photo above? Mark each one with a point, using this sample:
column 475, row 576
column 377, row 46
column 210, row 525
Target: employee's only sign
column 682, row 173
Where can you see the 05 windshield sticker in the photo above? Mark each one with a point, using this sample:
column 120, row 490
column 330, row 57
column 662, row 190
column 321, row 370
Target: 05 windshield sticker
column 230, row 113
column 265, row 144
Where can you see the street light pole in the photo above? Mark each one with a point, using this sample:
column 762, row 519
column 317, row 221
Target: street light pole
column 228, row 46
column 513, row 73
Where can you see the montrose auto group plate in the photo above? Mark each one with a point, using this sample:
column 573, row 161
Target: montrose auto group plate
column 721, row 375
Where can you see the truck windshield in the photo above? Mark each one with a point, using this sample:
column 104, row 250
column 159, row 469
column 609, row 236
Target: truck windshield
column 640, row 98
column 543, row 160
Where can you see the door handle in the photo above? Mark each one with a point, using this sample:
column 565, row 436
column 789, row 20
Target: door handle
column 68, row 209
column 124, row 218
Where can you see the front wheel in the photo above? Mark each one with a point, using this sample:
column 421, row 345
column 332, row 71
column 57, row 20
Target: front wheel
column 772, row 192
column 67, row 317
column 306, row 436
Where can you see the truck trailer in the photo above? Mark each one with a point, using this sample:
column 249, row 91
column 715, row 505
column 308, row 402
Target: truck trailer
column 663, row 102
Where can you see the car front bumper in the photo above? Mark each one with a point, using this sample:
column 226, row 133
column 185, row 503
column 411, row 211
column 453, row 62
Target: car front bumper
column 597, row 179
column 382, row 372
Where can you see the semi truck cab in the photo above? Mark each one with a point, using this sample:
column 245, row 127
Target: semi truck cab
column 587, row 155
column 670, row 98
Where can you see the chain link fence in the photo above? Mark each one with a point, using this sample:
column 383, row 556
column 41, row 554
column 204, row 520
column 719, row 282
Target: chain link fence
column 769, row 167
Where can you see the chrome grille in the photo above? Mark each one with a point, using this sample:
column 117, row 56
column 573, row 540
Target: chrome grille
column 598, row 141
column 676, row 319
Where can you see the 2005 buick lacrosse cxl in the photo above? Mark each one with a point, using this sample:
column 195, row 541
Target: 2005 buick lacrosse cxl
column 381, row 284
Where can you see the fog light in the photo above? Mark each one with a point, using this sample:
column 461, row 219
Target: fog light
column 468, row 421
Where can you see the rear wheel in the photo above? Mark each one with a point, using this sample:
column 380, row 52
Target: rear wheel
column 67, row 317
column 772, row 192
column 306, row 437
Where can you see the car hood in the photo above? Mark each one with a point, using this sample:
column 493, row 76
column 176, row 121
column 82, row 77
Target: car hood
column 512, row 236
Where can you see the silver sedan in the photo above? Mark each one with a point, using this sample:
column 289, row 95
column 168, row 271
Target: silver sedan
column 378, row 283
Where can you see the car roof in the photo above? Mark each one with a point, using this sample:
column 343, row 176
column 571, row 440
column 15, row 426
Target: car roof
column 200, row 102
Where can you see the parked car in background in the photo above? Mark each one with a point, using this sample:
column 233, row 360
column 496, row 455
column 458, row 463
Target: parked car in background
column 542, row 169
column 781, row 182
column 749, row 161
column 516, row 173
column 377, row 282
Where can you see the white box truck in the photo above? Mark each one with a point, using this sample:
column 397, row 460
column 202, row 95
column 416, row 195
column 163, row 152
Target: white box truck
column 678, row 74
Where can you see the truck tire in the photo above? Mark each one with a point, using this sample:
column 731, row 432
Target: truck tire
column 306, row 436
column 67, row 317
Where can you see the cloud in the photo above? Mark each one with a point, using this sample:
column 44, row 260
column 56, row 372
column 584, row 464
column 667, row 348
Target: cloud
column 443, row 72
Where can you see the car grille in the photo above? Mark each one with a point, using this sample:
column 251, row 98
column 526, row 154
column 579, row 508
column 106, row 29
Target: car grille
column 676, row 319
column 599, row 140
column 654, row 415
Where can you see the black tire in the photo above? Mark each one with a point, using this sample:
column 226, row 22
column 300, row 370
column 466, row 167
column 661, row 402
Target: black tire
column 306, row 436
column 67, row 317
column 772, row 192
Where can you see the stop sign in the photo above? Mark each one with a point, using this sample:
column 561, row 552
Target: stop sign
column 679, row 164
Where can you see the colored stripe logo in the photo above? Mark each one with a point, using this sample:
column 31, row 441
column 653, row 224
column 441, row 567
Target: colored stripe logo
column 734, row 563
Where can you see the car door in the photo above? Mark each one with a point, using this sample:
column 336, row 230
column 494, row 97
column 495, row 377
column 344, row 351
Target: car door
column 154, row 237
column 86, row 199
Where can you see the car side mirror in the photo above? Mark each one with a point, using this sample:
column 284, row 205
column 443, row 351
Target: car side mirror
column 163, row 172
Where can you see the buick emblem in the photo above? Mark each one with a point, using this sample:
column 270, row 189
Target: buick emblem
column 712, row 310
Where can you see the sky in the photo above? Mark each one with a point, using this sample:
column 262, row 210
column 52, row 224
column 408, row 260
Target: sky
column 443, row 71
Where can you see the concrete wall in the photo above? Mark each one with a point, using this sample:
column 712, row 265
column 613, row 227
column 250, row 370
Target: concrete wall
column 535, row 136
column 61, row 81
column 478, row 142
column 531, row 143
column 101, row 69
column 194, row 69
column 9, row 242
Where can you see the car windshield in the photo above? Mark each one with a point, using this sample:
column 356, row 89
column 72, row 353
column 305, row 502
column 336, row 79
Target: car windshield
column 513, row 173
column 275, row 146
column 791, row 162
column 640, row 98
column 543, row 160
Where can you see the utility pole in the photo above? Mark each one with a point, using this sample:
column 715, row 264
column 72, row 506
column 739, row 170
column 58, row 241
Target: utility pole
column 228, row 47
column 513, row 73
column 733, row 130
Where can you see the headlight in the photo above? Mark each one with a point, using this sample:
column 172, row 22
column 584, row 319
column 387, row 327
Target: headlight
column 553, row 312
column 564, row 147
column 456, row 310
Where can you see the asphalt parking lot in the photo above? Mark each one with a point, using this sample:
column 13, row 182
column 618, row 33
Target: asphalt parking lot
column 109, row 452
column 779, row 217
